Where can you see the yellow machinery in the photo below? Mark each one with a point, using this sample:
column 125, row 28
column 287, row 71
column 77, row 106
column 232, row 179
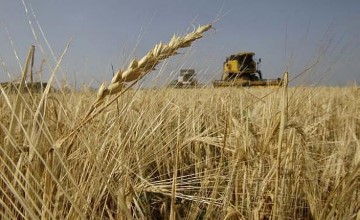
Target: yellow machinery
column 241, row 70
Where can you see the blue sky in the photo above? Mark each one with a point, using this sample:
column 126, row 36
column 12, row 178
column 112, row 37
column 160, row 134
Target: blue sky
column 286, row 34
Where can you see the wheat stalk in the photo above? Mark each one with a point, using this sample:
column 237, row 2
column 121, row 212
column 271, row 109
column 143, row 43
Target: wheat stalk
column 136, row 70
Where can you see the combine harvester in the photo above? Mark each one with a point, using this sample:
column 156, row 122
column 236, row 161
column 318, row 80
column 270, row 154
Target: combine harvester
column 186, row 79
column 241, row 70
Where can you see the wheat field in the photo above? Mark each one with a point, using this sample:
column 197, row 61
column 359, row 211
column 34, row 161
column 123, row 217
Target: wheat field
column 206, row 153
column 227, row 153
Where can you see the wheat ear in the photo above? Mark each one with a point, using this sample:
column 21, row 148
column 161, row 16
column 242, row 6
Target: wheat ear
column 139, row 68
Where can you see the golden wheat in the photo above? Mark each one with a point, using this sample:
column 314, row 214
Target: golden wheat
column 194, row 154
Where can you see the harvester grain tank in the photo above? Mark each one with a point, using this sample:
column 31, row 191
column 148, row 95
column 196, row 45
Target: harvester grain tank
column 241, row 69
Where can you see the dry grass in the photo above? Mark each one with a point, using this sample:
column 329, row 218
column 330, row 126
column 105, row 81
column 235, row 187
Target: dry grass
column 221, row 145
